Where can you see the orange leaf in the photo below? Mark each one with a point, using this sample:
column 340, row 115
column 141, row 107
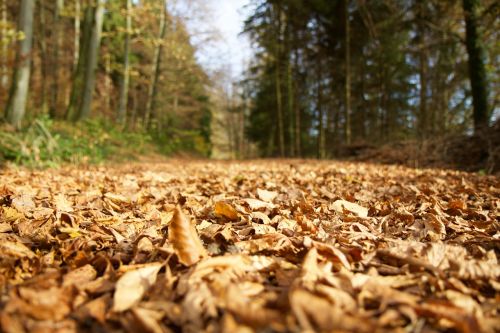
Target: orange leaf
column 183, row 236
column 226, row 210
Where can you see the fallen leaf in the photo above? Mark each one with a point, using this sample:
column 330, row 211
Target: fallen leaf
column 183, row 236
column 10, row 215
column 255, row 204
column 80, row 276
column 224, row 209
column 265, row 195
column 132, row 286
column 15, row 250
column 62, row 204
column 341, row 205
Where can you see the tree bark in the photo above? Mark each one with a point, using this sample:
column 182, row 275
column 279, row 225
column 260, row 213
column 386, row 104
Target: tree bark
column 54, row 91
column 321, row 116
column 4, row 71
column 16, row 106
column 347, row 74
column 84, row 79
column 423, row 116
column 153, row 87
column 41, row 38
column 289, row 88
column 76, row 41
column 279, row 105
column 477, row 70
column 93, row 57
column 122, row 108
column 298, row 127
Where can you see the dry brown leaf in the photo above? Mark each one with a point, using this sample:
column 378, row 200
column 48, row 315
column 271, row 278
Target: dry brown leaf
column 15, row 250
column 23, row 203
column 44, row 304
column 80, row 276
column 62, row 204
column 255, row 204
column 132, row 286
column 343, row 205
column 423, row 259
column 185, row 240
column 224, row 209
column 328, row 251
column 314, row 313
column 266, row 195
column 148, row 320
column 434, row 227
column 96, row 309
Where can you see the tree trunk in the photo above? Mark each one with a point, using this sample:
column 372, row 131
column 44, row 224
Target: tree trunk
column 76, row 41
column 4, row 71
column 153, row 87
column 122, row 108
column 16, row 106
column 93, row 57
column 279, row 105
column 84, row 80
column 477, row 70
column 43, row 54
column 298, row 132
column 108, row 82
column 347, row 74
column 423, row 116
column 78, row 76
column 54, row 91
column 289, row 88
column 321, row 117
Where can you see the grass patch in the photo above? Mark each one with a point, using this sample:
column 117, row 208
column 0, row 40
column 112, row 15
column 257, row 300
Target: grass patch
column 46, row 143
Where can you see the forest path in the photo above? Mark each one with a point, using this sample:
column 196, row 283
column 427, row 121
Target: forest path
column 288, row 245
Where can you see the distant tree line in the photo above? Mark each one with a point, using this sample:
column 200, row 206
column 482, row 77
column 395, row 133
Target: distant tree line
column 129, row 61
column 333, row 73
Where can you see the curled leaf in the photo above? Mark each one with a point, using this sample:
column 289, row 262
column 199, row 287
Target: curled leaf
column 183, row 236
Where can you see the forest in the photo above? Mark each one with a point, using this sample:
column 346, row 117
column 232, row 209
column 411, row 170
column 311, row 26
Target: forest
column 327, row 78
column 343, row 178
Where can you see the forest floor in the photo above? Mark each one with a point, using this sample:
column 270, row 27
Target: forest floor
column 269, row 246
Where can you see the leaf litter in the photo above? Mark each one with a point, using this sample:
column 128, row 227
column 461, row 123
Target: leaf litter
column 262, row 246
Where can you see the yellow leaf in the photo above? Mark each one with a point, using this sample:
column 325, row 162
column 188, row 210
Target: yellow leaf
column 11, row 214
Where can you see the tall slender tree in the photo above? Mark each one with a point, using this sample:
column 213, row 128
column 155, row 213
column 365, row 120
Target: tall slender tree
column 57, row 27
column 4, row 44
column 124, row 86
column 477, row 68
column 16, row 106
column 277, row 72
column 153, row 86
column 76, row 37
column 84, row 78
column 347, row 45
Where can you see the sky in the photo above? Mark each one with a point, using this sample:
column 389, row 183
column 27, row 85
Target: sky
column 229, row 16
column 223, row 18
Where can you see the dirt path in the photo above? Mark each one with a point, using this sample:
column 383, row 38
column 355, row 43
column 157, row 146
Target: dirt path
column 254, row 246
